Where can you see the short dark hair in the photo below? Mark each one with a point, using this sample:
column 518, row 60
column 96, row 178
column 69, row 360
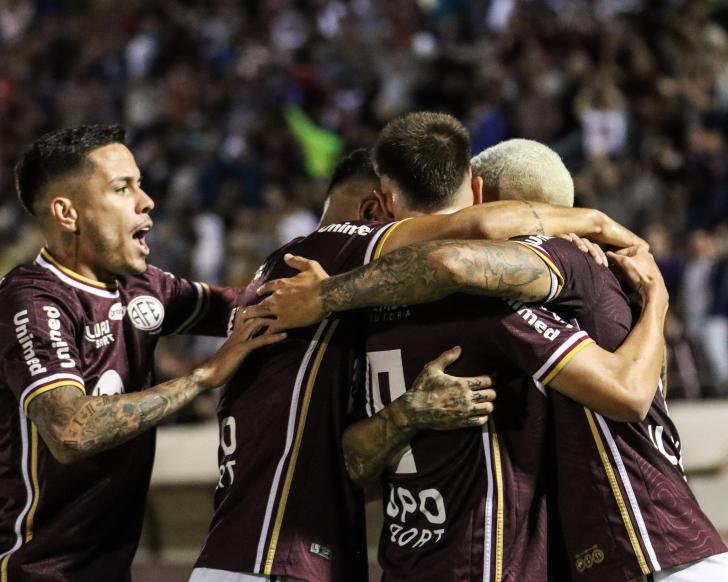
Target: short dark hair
column 355, row 164
column 58, row 153
column 427, row 154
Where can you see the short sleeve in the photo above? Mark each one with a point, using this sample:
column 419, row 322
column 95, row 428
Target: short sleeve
column 539, row 342
column 576, row 277
column 192, row 307
column 38, row 349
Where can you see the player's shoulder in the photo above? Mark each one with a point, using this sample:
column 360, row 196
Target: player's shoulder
column 30, row 281
column 153, row 279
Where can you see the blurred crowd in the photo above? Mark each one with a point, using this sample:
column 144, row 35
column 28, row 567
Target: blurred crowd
column 237, row 110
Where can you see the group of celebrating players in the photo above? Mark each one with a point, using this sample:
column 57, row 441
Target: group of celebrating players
column 334, row 376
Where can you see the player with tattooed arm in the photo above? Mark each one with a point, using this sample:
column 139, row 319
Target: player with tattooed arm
column 78, row 329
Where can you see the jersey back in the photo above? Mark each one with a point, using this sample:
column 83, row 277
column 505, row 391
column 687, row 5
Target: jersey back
column 469, row 504
column 625, row 507
column 284, row 505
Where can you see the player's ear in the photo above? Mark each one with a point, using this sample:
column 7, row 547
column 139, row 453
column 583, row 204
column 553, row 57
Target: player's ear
column 385, row 204
column 370, row 208
column 476, row 184
column 64, row 214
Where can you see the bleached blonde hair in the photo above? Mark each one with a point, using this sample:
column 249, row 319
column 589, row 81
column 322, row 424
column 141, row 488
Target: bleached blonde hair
column 523, row 169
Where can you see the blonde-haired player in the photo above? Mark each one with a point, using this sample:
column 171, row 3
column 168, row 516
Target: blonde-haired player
column 523, row 169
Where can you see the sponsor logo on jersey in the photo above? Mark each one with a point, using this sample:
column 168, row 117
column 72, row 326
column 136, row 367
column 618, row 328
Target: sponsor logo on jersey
column 536, row 239
column 25, row 340
column 589, row 558
column 57, row 341
column 117, row 312
column 538, row 324
column 347, row 228
column 99, row 334
column 146, row 312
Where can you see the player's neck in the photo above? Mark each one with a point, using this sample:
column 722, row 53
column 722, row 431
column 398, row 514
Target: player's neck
column 66, row 252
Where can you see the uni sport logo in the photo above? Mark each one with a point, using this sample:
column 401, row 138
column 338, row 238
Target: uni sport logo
column 146, row 312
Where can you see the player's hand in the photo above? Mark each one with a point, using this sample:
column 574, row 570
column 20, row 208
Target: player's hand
column 642, row 271
column 440, row 401
column 588, row 247
column 615, row 235
column 247, row 335
column 294, row 301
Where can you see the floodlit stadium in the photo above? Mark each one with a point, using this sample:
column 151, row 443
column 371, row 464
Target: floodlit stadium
column 238, row 118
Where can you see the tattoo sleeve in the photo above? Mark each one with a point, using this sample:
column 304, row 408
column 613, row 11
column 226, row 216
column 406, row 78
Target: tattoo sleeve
column 430, row 271
column 75, row 426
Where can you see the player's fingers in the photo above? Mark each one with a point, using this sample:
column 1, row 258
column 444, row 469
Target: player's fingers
column 250, row 327
column 298, row 263
column 579, row 242
column 484, row 395
column 444, row 359
column 269, row 287
column 255, row 311
column 267, row 339
column 480, row 382
column 481, row 409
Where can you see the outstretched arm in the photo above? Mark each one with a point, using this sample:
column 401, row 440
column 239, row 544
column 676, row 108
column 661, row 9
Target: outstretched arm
column 436, row 401
column 75, row 426
column 410, row 275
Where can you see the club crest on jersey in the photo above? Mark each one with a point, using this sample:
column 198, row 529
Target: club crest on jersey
column 146, row 312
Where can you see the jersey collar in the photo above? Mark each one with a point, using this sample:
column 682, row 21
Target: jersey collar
column 70, row 277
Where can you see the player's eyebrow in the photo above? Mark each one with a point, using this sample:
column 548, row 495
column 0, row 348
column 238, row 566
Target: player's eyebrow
column 125, row 179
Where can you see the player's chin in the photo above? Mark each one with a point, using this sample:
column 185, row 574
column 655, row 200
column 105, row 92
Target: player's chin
column 136, row 266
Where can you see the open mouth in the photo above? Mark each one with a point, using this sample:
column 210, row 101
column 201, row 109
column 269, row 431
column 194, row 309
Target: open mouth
column 139, row 236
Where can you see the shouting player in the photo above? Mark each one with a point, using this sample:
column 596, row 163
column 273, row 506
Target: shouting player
column 284, row 505
column 78, row 329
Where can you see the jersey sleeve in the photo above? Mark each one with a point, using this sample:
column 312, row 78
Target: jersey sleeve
column 539, row 342
column 194, row 308
column 38, row 344
column 577, row 279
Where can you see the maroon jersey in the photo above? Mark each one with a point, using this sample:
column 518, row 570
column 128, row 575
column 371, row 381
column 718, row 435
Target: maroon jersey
column 469, row 505
column 81, row 522
column 624, row 504
column 284, row 505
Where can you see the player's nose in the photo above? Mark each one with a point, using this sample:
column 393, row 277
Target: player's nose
column 145, row 204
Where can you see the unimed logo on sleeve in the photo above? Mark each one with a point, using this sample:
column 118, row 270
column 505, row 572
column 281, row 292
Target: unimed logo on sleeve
column 146, row 312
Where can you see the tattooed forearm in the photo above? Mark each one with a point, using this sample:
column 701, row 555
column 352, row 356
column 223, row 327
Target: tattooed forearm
column 370, row 445
column 539, row 222
column 75, row 426
column 431, row 271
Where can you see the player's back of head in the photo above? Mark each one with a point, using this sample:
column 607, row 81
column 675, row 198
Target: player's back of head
column 523, row 169
column 57, row 154
column 353, row 179
column 353, row 167
column 427, row 155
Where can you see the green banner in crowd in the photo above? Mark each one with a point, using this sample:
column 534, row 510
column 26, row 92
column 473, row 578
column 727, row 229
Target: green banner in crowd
column 321, row 147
